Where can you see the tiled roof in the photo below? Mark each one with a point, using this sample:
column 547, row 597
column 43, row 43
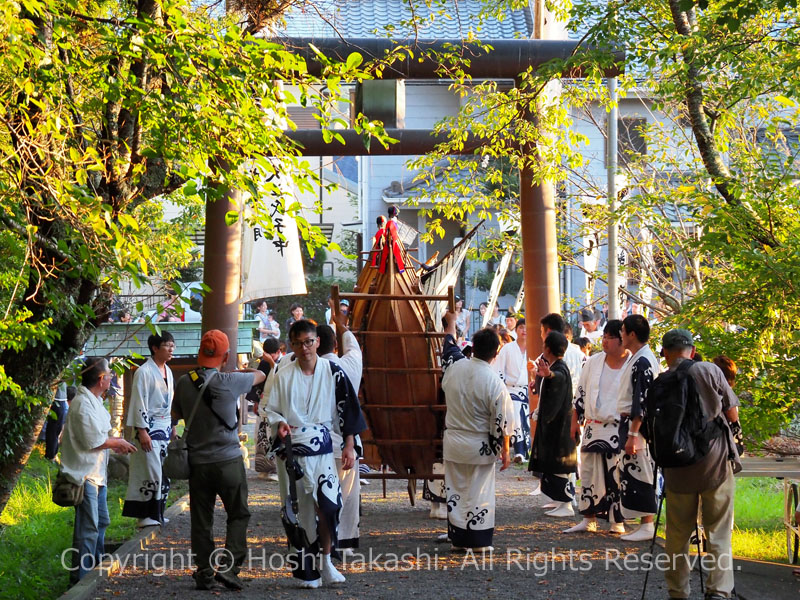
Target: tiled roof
column 368, row 18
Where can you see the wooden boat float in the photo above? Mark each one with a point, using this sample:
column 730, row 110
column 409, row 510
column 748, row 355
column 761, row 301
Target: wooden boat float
column 396, row 315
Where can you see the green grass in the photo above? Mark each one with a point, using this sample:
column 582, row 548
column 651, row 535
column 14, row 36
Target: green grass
column 758, row 519
column 758, row 531
column 34, row 531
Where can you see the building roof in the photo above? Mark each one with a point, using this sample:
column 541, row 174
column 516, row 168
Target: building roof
column 369, row 19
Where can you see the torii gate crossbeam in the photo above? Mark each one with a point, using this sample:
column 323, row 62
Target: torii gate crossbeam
column 506, row 59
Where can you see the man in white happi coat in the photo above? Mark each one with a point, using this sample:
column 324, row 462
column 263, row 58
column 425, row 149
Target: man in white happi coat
column 636, row 472
column 512, row 365
column 590, row 325
column 149, row 415
column 351, row 363
column 477, row 429
column 265, row 465
column 596, row 408
column 574, row 359
column 305, row 397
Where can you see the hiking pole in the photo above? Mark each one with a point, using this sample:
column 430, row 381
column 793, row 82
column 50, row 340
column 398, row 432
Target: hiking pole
column 655, row 535
column 699, row 558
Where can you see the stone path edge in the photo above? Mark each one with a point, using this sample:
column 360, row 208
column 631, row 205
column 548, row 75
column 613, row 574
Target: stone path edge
column 85, row 588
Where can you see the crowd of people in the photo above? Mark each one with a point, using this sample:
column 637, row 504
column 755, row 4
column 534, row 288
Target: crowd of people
column 307, row 395
column 578, row 419
column 574, row 413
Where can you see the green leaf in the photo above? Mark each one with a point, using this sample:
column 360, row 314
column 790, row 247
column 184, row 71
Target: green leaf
column 354, row 59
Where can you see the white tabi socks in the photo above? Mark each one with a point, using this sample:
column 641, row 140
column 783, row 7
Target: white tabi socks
column 438, row 511
column 562, row 509
column 642, row 534
column 617, row 528
column 329, row 573
column 588, row 525
column 310, row 585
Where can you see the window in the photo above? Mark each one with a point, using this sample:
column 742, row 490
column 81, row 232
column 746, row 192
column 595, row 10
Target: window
column 781, row 146
column 303, row 117
column 630, row 139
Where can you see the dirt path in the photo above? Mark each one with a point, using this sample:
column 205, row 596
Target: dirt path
column 400, row 556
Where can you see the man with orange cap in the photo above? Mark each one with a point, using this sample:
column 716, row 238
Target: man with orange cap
column 207, row 400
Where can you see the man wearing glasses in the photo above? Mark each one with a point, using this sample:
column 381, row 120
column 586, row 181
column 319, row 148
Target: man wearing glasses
column 149, row 415
column 306, row 397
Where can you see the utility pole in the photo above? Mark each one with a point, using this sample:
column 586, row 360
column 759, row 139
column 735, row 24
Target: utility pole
column 611, row 166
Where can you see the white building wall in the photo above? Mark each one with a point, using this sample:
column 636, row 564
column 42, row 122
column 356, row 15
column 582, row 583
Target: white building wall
column 426, row 104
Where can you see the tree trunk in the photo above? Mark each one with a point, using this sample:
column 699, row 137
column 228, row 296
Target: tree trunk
column 37, row 371
column 27, row 424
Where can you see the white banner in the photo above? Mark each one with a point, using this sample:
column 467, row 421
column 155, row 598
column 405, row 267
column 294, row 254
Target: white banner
column 520, row 299
column 272, row 267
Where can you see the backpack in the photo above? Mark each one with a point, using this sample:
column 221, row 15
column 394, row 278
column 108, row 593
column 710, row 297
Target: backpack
column 678, row 431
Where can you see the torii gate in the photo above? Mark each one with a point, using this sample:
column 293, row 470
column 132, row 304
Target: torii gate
column 507, row 60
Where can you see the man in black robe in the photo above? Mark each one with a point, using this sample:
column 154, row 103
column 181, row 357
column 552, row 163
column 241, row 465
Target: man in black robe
column 554, row 450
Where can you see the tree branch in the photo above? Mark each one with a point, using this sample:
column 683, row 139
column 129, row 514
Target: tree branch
column 712, row 158
column 70, row 89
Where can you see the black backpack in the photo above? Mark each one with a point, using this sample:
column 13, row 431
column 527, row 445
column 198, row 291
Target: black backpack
column 678, row 432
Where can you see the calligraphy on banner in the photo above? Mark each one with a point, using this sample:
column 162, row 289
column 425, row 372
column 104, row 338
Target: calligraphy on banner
column 272, row 266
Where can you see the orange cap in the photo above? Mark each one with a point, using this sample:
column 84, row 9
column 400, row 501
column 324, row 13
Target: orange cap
column 213, row 347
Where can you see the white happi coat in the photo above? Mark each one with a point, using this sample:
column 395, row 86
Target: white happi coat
column 589, row 389
column 151, row 398
column 351, row 362
column 479, row 411
column 478, row 417
column 574, row 359
column 601, row 414
column 511, row 363
column 635, row 473
column 309, row 412
column 626, row 389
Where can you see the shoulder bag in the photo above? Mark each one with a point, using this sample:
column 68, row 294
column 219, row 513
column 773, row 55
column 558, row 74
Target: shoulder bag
column 66, row 493
column 176, row 463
